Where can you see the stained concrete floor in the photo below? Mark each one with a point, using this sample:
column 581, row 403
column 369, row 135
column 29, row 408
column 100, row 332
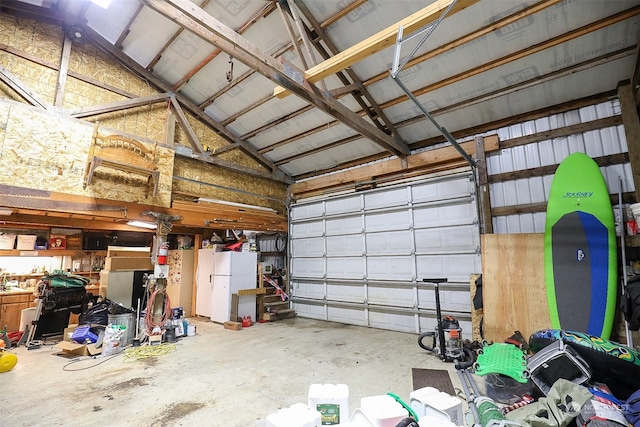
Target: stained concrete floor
column 218, row 377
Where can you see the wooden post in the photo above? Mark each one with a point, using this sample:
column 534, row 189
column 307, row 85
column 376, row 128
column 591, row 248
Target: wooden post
column 631, row 129
column 484, row 199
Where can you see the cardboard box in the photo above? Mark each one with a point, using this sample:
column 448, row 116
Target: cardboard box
column 122, row 263
column 68, row 331
column 71, row 349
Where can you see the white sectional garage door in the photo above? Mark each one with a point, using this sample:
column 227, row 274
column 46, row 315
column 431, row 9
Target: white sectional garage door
column 360, row 258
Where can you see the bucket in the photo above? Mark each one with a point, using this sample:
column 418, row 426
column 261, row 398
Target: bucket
column 332, row 401
column 191, row 330
column 296, row 415
column 170, row 334
column 128, row 320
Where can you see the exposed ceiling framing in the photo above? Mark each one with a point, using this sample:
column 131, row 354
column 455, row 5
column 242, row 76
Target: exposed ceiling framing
column 486, row 63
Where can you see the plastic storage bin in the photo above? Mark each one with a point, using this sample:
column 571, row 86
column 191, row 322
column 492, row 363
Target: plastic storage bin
column 557, row 360
column 7, row 241
column 332, row 401
column 296, row 415
column 383, row 410
column 26, row 242
column 431, row 402
column 83, row 334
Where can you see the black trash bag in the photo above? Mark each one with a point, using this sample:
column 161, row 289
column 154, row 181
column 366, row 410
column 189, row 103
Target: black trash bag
column 99, row 313
column 630, row 305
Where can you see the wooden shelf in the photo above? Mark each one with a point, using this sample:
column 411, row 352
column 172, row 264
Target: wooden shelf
column 41, row 252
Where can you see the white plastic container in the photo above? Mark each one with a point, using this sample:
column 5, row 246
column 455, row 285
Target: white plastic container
column 433, row 403
column 383, row 410
column 435, row 422
column 296, row 415
column 26, row 242
column 7, row 241
column 332, row 401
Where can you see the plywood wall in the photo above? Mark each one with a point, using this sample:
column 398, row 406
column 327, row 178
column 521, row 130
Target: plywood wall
column 50, row 145
column 45, row 152
column 513, row 285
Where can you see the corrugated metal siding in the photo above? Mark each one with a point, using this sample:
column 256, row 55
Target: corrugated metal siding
column 596, row 143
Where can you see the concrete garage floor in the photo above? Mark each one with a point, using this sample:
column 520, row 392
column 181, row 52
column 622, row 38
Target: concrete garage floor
column 219, row 377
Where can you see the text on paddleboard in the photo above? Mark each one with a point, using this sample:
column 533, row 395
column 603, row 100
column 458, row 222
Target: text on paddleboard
column 576, row 195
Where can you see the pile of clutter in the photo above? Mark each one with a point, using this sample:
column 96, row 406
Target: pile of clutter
column 556, row 379
column 328, row 404
column 107, row 328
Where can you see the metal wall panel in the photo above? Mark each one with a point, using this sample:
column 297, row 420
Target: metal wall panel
column 360, row 258
column 525, row 191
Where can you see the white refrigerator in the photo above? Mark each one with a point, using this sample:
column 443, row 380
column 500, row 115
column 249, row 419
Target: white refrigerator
column 233, row 271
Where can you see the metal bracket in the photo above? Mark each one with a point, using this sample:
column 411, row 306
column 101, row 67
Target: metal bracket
column 397, row 67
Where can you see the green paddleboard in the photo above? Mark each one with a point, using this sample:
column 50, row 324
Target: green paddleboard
column 580, row 252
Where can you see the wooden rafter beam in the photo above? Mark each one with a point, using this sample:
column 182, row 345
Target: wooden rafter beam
column 210, row 29
column 20, row 88
column 379, row 41
column 426, row 160
column 186, row 126
column 362, row 96
column 118, row 105
column 235, row 167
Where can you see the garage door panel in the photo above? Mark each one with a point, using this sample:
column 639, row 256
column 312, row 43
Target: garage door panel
column 384, row 199
column 343, row 205
column 308, row 247
column 345, row 245
column 307, row 267
column 345, row 268
column 386, row 221
column 310, row 310
column 345, row 292
column 344, row 225
column 454, row 300
column 378, row 245
column 440, row 189
column 443, row 215
column 351, row 316
column 308, row 289
column 307, row 229
column 393, row 321
column 389, row 243
column 455, row 267
column 309, row 210
column 392, row 296
column 398, row 268
column 447, row 239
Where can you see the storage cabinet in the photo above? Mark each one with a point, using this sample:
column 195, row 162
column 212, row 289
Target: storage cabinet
column 11, row 306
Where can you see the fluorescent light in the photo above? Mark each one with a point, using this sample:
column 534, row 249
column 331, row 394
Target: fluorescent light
column 102, row 3
column 143, row 224
column 6, row 211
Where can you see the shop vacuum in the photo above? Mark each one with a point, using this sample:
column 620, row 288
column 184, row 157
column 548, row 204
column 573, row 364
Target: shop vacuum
column 447, row 341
